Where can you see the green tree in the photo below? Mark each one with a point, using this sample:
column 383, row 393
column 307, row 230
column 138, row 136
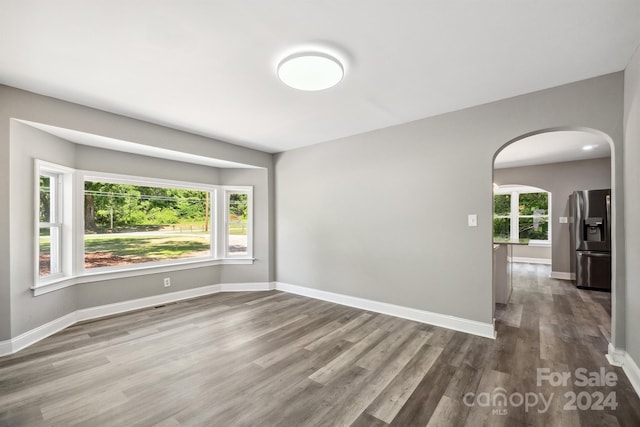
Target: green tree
column 533, row 203
column 502, row 204
column 130, row 205
column 238, row 205
column 45, row 199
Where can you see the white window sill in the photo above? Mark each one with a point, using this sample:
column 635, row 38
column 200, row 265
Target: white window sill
column 109, row 274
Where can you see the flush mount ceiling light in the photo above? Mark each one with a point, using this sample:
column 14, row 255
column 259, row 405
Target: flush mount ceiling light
column 310, row 71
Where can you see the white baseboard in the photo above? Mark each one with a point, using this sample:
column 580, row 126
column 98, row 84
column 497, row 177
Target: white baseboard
column 246, row 287
column 617, row 357
column 450, row 322
column 527, row 260
column 152, row 301
column 633, row 372
column 562, row 275
column 34, row 335
column 5, row 347
column 137, row 304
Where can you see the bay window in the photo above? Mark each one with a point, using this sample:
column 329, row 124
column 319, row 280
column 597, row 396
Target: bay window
column 91, row 224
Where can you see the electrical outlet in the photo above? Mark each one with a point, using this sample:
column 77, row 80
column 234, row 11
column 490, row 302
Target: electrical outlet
column 167, row 282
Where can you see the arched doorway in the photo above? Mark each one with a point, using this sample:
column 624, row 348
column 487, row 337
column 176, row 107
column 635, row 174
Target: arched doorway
column 543, row 153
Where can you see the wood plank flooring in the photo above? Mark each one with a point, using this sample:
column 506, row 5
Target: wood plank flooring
column 276, row 359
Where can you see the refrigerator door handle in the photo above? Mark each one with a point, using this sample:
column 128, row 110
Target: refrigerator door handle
column 595, row 254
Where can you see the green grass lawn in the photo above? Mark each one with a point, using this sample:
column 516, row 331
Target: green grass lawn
column 237, row 229
column 45, row 245
column 145, row 246
column 148, row 246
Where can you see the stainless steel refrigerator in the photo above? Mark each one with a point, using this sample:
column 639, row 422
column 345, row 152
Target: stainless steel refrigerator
column 590, row 222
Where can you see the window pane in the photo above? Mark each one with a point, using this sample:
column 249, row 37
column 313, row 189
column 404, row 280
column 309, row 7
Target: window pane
column 45, row 198
column 534, row 228
column 237, row 224
column 238, row 240
column 501, row 228
column 49, row 251
column 533, row 204
column 131, row 224
column 502, row 204
column 45, row 252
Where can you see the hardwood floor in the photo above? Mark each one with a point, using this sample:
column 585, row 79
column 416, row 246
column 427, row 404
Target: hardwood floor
column 276, row 359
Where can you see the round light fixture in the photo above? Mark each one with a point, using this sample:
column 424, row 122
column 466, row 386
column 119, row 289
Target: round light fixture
column 589, row 147
column 310, row 71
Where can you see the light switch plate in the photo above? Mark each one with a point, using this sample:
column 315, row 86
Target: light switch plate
column 564, row 220
column 472, row 220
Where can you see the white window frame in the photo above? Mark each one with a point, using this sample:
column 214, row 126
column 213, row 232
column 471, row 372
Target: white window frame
column 146, row 182
column 511, row 207
column 514, row 214
column 71, row 202
column 60, row 220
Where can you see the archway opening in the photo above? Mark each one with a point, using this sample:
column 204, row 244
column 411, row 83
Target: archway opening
column 558, row 161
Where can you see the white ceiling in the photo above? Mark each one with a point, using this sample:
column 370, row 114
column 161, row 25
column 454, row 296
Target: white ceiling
column 552, row 147
column 208, row 67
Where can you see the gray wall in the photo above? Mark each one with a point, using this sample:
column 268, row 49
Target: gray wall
column 19, row 143
column 383, row 215
column 632, row 202
column 561, row 179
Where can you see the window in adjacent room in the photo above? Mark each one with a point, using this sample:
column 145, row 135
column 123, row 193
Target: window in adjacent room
column 533, row 216
column 521, row 214
column 502, row 216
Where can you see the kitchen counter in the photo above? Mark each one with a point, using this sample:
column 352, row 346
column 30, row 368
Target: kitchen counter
column 511, row 242
column 501, row 273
